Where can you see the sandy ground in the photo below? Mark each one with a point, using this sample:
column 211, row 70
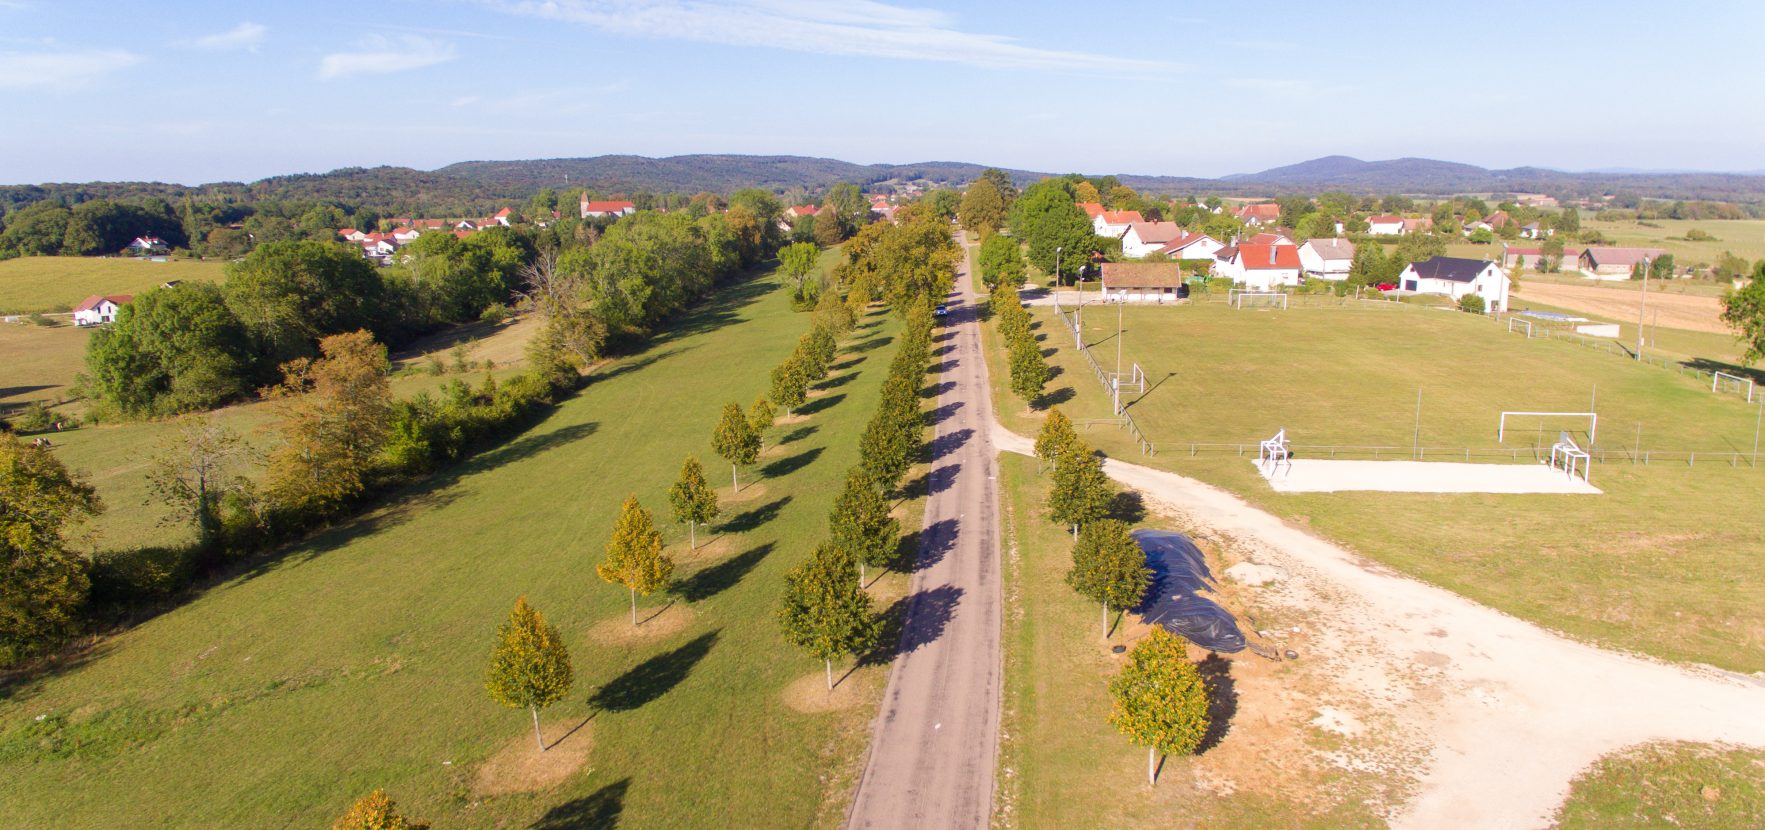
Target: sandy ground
column 1674, row 311
column 1318, row 475
column 1487, row 716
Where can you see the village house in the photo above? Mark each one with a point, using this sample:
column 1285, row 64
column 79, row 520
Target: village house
column 1609, row 263
column 1422, row 224
column 1092, row 210
column 1143, row 238
column 1385, row 225
column 1521, row 257
column 1455, row 277
column 1142, row 281
column 100, row 309
column 1327, row 259
column 1259, row 267
column 1261, row 213
column 614, row 208
column 145, row 245
column 1114, row 223
column 352, row 234
column 1278, row 236
column 1192, row 246
column 1532, row 230
column 502, row 217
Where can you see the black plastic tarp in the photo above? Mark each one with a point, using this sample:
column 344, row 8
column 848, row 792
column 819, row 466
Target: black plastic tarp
column 1180, row 577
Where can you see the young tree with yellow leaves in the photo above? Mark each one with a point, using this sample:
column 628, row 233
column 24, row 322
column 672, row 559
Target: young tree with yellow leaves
column 377, row 811
column 530, row 668
column 336, row 412
column 1160, row 699
column 634, row 554
column 736, row 441
column 693, row 500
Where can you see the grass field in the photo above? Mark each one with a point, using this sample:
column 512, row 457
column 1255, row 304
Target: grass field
column 58, row 283
column 1742, row 237
column 1062, row 764
column 40, row 362
column 356, row 659
column 1665, row 562
column 1669, row 785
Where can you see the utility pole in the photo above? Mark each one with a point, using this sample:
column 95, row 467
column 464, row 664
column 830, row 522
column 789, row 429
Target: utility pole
column 1118, row 338
column 1756, row 419
column 1642, row 307
column 1416, row 445
column 1057, row 268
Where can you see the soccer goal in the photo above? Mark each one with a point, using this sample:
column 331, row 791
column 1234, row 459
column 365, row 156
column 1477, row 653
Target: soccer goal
column 1517, row 324
column 1273, row 452
column 1259, row 299
column 1569, row 456
column 1725, row 382
column 1521, row 419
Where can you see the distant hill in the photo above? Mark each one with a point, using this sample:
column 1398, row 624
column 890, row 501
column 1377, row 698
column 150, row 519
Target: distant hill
column 473, row 187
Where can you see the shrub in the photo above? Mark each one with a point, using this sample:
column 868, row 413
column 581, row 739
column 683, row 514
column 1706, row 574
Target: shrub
column 1472, row 304
column 135, row 576
column 494, row 313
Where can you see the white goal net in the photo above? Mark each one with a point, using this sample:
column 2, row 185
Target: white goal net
column 1523, row 424
column 1259, row 299
column 1725, row 382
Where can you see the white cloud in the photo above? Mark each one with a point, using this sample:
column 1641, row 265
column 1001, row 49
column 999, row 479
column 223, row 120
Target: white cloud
column 245, row 36
column 857, row 27
column 20, row 70
column 379, row 55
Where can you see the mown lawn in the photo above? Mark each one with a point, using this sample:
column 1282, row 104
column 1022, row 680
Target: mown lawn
column 58, row 283
column 1665, row 562
column 356, row 659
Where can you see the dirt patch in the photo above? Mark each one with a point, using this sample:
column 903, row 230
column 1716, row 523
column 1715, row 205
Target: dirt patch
column 809, row 693
column 709, row 548
column 750, row 491
column 792, row 419
column 655, row 622
column 1674, row 311
column 519, row 767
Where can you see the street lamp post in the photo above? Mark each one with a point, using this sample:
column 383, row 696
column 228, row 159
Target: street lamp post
column 1057, row 268
column 1642, row 307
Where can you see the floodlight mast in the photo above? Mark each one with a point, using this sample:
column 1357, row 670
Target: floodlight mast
column 1642, row 307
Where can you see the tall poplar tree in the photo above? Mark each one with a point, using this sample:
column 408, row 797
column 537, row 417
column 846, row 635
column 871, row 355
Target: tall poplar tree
column 530, row 668
column 693, row 500
column 634, row 554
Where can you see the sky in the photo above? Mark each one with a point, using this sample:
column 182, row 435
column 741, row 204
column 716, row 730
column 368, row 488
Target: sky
column 194, row 92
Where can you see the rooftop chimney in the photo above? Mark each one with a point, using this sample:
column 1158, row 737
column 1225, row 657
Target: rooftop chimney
column 1271, row 255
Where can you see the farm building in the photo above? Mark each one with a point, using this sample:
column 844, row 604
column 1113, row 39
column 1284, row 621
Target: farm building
column 99, row 309
column 1455, row 277
column 1604, row 262
column 609, row 208
column 1142, row 281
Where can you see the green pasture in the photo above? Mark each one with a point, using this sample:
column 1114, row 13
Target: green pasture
column 58, row 283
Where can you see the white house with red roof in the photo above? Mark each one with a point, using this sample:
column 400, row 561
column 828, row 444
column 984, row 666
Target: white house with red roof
column 405, row 236
column 1261, row 213
column 615, row 208
column 503, row 217
column 1142, row 238
column 1260, row 267
column 1385, row 225
column 99, row 309
column 1192, row 246
column 1114, row 223
column 352, row 234
column 1092, row 210
column 148, row 245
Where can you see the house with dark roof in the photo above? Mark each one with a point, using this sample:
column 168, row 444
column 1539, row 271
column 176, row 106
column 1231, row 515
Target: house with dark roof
column 1142, row 281
column 1327, row 259
column 1455, row 277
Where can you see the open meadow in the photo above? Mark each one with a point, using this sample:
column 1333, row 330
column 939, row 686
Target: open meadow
column 58, row 283
column 1664, row 562
column 356, row 659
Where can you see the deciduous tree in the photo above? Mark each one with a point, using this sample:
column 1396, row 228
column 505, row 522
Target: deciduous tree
column 1744, row 311
column 42, row 582
column 634, row 555
column 799, row 259
column 825, row 612
column 1109, row 567
column 177, row 349
column 195, row 471
column 1160, row 699
column 1082, row 493
column 1001, row 262
column 530, row 666
column 693, row 500
column 1029, row 371
column 860, row 523
column 336, row 412
column 736, row 441
column 1056, row 436
column 761, row 415
column 983, row 208
column 377, row 811
column 790, row 383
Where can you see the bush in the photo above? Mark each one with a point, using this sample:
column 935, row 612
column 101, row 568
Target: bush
column 35, row 417
column 140, row 575
column 40, row 320
column 1472, row 304
column 494, row 313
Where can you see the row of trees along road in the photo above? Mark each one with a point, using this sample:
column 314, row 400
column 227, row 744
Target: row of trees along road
column 1029, row 369
column 1160, row 698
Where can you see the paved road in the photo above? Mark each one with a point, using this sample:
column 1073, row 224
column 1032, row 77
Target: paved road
column 935, row 741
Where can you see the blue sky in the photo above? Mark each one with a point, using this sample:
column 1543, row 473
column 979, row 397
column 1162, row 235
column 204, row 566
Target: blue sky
column 203, row 91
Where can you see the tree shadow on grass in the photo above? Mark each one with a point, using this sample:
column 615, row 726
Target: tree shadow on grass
column 750, row 519
column 837, row 381
column 790, row 464
column 846, row 364
column 653, row 677
column 709, row 582
column 599, row 810
column 1222, row 700
column 821, row 404
column 1704, row 364
column 876, row 342
column 913, row 622
column 797, row 434
column 1055, row 398
column 1128, row 506
column 633, row 364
